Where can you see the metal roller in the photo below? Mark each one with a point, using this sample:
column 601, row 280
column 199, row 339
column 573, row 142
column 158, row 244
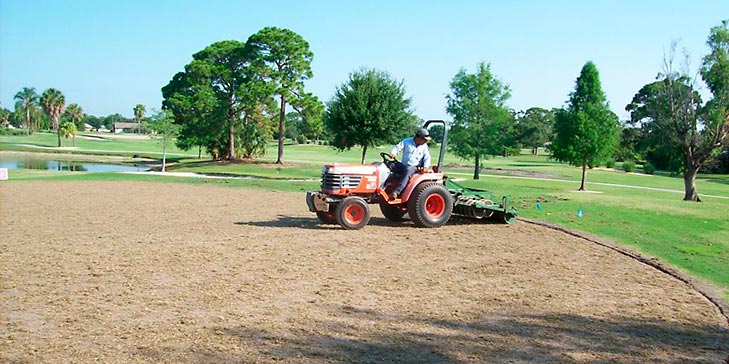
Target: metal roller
column 473, row 207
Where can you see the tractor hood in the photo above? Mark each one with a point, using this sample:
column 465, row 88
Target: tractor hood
column 354, row 169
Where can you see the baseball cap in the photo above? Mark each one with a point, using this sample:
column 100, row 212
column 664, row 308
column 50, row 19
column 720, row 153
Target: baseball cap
column 423, row 133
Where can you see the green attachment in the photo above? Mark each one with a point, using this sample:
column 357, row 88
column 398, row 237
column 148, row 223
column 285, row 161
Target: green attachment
column 479, row 204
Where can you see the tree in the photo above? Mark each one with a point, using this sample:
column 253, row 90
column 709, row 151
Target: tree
column 163, row 125
column 673, row 106
column 27, row 101
column 586, row 131
column 92, row 120
column 4, row 116
column 219, row 97
column 368, row 110
column 74, row 114
column 68, row 129
column 480, row 116
column 534, row 128
column 53, row 102
column 437, row 132
column 110, row 120
column 312, row 113
column 139, row 111
column 651, row 112
column 288, row 59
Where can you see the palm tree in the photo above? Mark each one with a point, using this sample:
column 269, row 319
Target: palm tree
column 27, row 100
column 139, row 111
column 53, row 102
column 68, row 129
column 75, row 114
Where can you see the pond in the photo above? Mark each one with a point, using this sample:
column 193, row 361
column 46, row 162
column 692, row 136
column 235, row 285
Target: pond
column 71, row 166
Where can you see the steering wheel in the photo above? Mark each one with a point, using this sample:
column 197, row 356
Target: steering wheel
column 387, row 160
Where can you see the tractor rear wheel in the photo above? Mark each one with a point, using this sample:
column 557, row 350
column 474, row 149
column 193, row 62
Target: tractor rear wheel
column 326, row 217
column 430, row 205
column 352, row 213
column 393, row 212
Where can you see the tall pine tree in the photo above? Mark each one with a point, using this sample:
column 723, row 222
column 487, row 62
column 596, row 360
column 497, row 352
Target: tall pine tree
column 586, row 130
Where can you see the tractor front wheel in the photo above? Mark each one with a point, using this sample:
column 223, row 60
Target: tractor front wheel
column 352, row 213
column 430, row 205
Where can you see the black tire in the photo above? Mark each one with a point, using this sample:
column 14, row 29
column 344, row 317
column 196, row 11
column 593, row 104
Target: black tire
column 430, row 205
column 352, row 213
column 326, row 217
column 394, row 213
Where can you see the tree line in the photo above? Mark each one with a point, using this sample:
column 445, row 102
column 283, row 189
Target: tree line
column 48, row 111
column 234, row 96
column 670, row 125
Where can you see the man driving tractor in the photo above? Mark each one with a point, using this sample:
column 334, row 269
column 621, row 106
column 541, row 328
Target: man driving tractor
column 415, row 157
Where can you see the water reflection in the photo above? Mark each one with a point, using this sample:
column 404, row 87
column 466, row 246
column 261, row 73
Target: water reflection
column 67, row 166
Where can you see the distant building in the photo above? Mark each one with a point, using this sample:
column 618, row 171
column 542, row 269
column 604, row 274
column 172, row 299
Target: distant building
column 125, row 127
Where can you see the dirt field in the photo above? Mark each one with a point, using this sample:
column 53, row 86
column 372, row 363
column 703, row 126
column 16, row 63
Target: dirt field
column 171, row 273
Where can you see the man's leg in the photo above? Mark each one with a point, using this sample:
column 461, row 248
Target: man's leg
column 408, row 172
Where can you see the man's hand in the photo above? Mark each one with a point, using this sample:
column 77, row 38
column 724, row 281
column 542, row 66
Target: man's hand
column 392, row 156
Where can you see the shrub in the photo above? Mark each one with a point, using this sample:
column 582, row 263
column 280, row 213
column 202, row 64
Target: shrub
column 648, row 168
column 8, row 131
column 629, row 166
column 610, row 163
column 301, row 139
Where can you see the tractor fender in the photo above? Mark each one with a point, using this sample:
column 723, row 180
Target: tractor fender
column 419, row 178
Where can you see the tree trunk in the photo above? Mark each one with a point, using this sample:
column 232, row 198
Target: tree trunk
column 476, row 167
column 689, row 183
column 364, row 151
column 164, row 153
column 199, row 151
column 58, row 132
column 231, row 135
column 583, row 184
column 281, row 117
column 27, row 120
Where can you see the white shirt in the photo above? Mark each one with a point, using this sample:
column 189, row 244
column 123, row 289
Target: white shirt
column 413, row 155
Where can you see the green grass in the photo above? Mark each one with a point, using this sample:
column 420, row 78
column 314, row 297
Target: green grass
column 693, row 237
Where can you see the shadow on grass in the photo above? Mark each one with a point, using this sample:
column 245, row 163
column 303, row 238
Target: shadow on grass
column 724, row 181
column 358, row 335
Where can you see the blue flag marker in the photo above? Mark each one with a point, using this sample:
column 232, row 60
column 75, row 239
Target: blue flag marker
column 539, row 206
column 579, row 213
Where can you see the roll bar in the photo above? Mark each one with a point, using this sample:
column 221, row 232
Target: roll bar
column 443, row 143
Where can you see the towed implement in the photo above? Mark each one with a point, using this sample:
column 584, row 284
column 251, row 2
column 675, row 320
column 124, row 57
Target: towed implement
column 430, row 197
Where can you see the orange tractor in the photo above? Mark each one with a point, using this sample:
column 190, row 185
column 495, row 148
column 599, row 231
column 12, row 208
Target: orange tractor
column 430, row 197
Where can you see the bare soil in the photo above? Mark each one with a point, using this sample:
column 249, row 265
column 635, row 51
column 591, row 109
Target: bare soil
column 119, row 272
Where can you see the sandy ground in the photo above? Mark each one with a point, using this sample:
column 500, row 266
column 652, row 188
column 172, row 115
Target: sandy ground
column 120, row 272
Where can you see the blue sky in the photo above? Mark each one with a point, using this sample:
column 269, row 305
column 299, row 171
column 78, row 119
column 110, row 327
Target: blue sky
column 108, row 56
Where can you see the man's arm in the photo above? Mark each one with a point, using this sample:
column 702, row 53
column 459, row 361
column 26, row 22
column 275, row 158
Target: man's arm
column 426, row 158
column 397, row 149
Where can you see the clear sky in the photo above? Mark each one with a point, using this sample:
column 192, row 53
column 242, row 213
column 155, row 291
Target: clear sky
column 108, row 56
